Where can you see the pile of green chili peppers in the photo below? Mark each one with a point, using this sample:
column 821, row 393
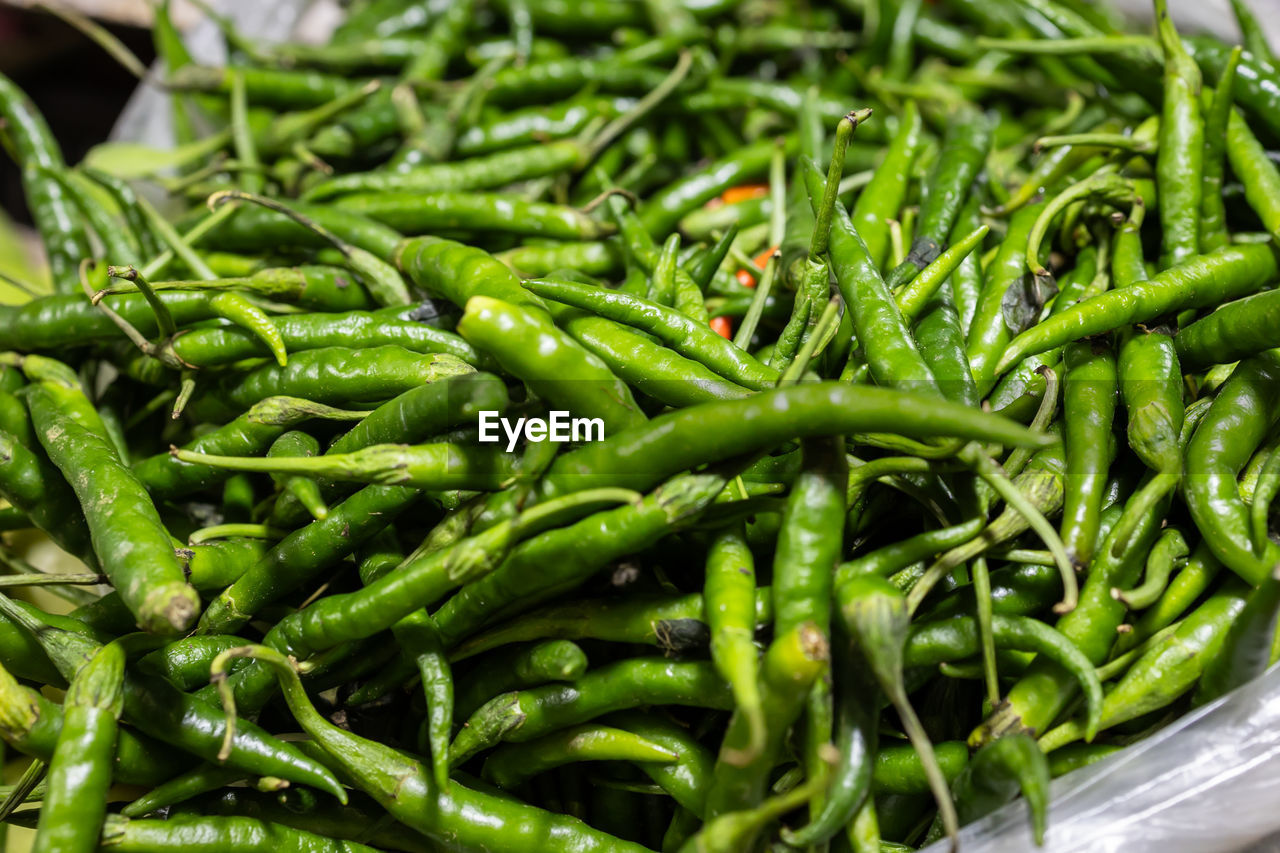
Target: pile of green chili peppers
column 923, row 370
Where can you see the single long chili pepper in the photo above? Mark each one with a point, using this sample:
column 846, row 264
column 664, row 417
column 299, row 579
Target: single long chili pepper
column 1234, row 331
column 61, row 230
column 1220, row 275
column 934, row 642
column 478, row 173
column 258, row 229
column 512, row 764
column 320, row 288
column 435, row 467
column 1213, row 214
column 729, row 595
column 673, row 328
column 1250, row 163
column 130, row 541
column 272, row 87
column 208, row 834
column 662, row 211
column 1243, row 412
column 675, row 624
column 1180, row 151
column 341, row 375
column 882, row 198
column 199, row 780
column 250, row 433
column 678, row 440
column 417, row 213
column 1169, row 669
column 1088, row 407
column 80, row 769
column 505, row 671
column 404, row 787
column 160, row 710
column 360, row 820
column 424, row 411
column 522, row 716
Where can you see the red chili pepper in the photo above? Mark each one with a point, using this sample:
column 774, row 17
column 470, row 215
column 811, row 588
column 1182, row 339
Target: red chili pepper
column 745, row 278
column 722, row 326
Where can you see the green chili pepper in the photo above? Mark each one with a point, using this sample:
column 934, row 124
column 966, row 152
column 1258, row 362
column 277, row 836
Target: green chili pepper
column 80, row 769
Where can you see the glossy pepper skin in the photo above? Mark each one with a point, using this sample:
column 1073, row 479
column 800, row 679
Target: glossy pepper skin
column 128, row 537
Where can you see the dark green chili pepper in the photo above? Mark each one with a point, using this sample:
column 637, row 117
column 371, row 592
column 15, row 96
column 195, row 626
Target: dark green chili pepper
column 1213, row 214
column 661, row 212
column 512, row 764
column 989, row 333
column 1088, row 407
column 1180, row 151
column 678, row 440
column 271, row 87
column 507, row 670
column 882, row 198
column 963, row 152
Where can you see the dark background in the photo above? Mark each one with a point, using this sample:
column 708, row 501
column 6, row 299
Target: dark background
column 73, row 82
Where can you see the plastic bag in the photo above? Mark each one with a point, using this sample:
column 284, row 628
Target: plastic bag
column 1210, row 781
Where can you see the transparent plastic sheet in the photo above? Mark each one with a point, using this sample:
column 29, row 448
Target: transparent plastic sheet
column 1208, row 782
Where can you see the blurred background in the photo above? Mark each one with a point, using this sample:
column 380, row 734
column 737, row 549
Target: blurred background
column 87, row 97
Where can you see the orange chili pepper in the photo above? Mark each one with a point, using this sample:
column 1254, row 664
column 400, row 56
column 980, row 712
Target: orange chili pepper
column 744, row 192
column 745, row 278
column 722, row 326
